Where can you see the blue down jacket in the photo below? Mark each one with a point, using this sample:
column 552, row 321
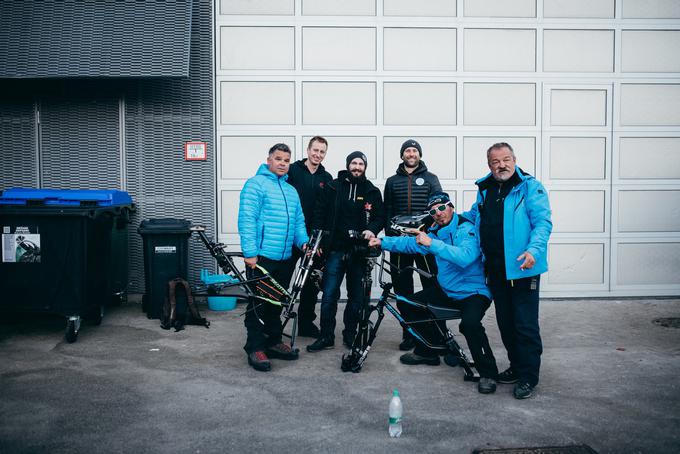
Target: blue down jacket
column 459, row 259
column 526, row 224
column 270, row 219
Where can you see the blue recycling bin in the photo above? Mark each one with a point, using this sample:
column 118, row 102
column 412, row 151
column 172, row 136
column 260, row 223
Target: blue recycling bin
column 64, row 252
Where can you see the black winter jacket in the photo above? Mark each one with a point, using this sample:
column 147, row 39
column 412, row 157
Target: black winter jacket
column 408, row 193
column 309, row 186
column 348, row 204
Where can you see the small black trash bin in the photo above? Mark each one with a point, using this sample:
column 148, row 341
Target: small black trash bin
column 166, row 256
column 63, row 252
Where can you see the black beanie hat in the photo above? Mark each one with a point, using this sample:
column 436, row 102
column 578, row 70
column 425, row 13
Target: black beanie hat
column 356, row 154
column 437, row 198
column 408, row 144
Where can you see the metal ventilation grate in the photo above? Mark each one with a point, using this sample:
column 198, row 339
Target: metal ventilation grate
column 103, row 38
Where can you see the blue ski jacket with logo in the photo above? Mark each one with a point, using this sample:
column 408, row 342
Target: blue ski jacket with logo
column 270, row 218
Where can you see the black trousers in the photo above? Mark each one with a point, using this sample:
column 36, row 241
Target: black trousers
column 403, row 281
column 263, row 320
column 472, row 310
column 309, row 295
column 517, row 316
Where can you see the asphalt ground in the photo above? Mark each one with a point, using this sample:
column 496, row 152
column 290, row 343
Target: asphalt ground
column 609, row 380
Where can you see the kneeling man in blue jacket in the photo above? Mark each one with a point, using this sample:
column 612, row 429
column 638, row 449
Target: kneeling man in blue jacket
column 270, row 223
column 454, row 244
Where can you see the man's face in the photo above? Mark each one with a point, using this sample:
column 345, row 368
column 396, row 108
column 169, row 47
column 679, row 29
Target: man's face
column 278, row 162
column 502, row 164
column 316, row 152
column 357, row 167
column 442, row 217
column 411, row 157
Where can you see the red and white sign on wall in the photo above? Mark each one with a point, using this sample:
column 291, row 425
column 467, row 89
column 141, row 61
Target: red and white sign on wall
column 195, row 151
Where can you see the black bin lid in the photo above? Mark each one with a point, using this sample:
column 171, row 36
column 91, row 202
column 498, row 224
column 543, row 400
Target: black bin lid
column 164, row 226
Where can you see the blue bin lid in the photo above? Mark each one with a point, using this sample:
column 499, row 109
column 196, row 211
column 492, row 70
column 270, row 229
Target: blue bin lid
column 65, row 197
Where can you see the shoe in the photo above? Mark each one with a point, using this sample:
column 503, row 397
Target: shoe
column 259, row 361
column 486, row 385
column 308, row 330
column 407, row 344
column 283, row 351
column 411, row 359
column 321, row 343
column 507, row 377
column 523, row 390
column 452, row 360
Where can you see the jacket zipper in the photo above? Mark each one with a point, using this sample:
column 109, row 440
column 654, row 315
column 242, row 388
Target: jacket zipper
column 408, row 198
column 285, row 201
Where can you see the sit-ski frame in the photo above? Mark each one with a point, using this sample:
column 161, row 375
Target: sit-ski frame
column 263, row 288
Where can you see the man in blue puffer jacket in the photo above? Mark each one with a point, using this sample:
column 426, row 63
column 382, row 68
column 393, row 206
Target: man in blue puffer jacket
column 270, row 223
column 453, row 243
column 512, row 218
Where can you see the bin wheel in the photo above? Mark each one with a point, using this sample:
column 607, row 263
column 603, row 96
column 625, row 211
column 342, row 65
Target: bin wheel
column 72, row 328
column 98, row 315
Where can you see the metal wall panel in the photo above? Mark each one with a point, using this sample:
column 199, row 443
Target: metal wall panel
column 17, row 130
column 106, row 38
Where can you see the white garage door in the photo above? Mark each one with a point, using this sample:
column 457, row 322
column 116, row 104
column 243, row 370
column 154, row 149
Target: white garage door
column 587, row 91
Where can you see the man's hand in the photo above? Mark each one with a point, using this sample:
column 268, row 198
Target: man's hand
column 374, row 242
column 250, row 261
column 423, row 239
column 367, row 234
column 529, row 261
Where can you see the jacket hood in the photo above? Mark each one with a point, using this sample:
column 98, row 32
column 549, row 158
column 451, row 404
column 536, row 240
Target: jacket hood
column 485, row 180
column 264, row 170
column 401, row 168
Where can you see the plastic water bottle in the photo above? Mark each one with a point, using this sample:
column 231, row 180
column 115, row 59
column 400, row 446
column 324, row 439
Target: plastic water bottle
column 395, row 415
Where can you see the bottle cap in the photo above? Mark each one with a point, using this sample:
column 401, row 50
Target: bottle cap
column 395, row 392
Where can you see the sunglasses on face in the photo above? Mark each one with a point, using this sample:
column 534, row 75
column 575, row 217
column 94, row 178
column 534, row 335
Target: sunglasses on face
column 433, row 211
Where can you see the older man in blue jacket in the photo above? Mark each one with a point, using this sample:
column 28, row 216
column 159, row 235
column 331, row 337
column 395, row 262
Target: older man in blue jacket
column 453, row 243
column 270, row 223
column 512, row 218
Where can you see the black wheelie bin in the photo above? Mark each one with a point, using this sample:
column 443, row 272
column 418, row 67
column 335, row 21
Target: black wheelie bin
column 64, row 252
column 166, row 256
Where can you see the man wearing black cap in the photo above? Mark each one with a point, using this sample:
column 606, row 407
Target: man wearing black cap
column 453, row 242
column 407, row 192
column 350, row 203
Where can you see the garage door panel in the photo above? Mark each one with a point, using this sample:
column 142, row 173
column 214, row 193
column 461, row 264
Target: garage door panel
column 257, row 48
column 338, row 103
column 578, row 107
column 579, row 8
column 428, row 103
column 419, row 49
column 411, row 8
column 661, row 157
column 499, row 50
column 649, row 211
column 576, row 263
column 338, row 7
column 489, row 104
column 578, row 211
column 650, row 104
column 243, row 103
column 578, row 50
column 573, row 158
column 648, row 264
column 338, row 48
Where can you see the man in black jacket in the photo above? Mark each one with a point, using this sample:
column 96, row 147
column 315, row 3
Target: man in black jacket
column 407, row 192
column 309, row 177
column 350, row 203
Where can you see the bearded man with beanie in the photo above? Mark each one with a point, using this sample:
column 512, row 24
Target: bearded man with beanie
column 406, row 193
column 348, row 203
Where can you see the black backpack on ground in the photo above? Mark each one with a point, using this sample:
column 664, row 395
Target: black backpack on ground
column 174, row 318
